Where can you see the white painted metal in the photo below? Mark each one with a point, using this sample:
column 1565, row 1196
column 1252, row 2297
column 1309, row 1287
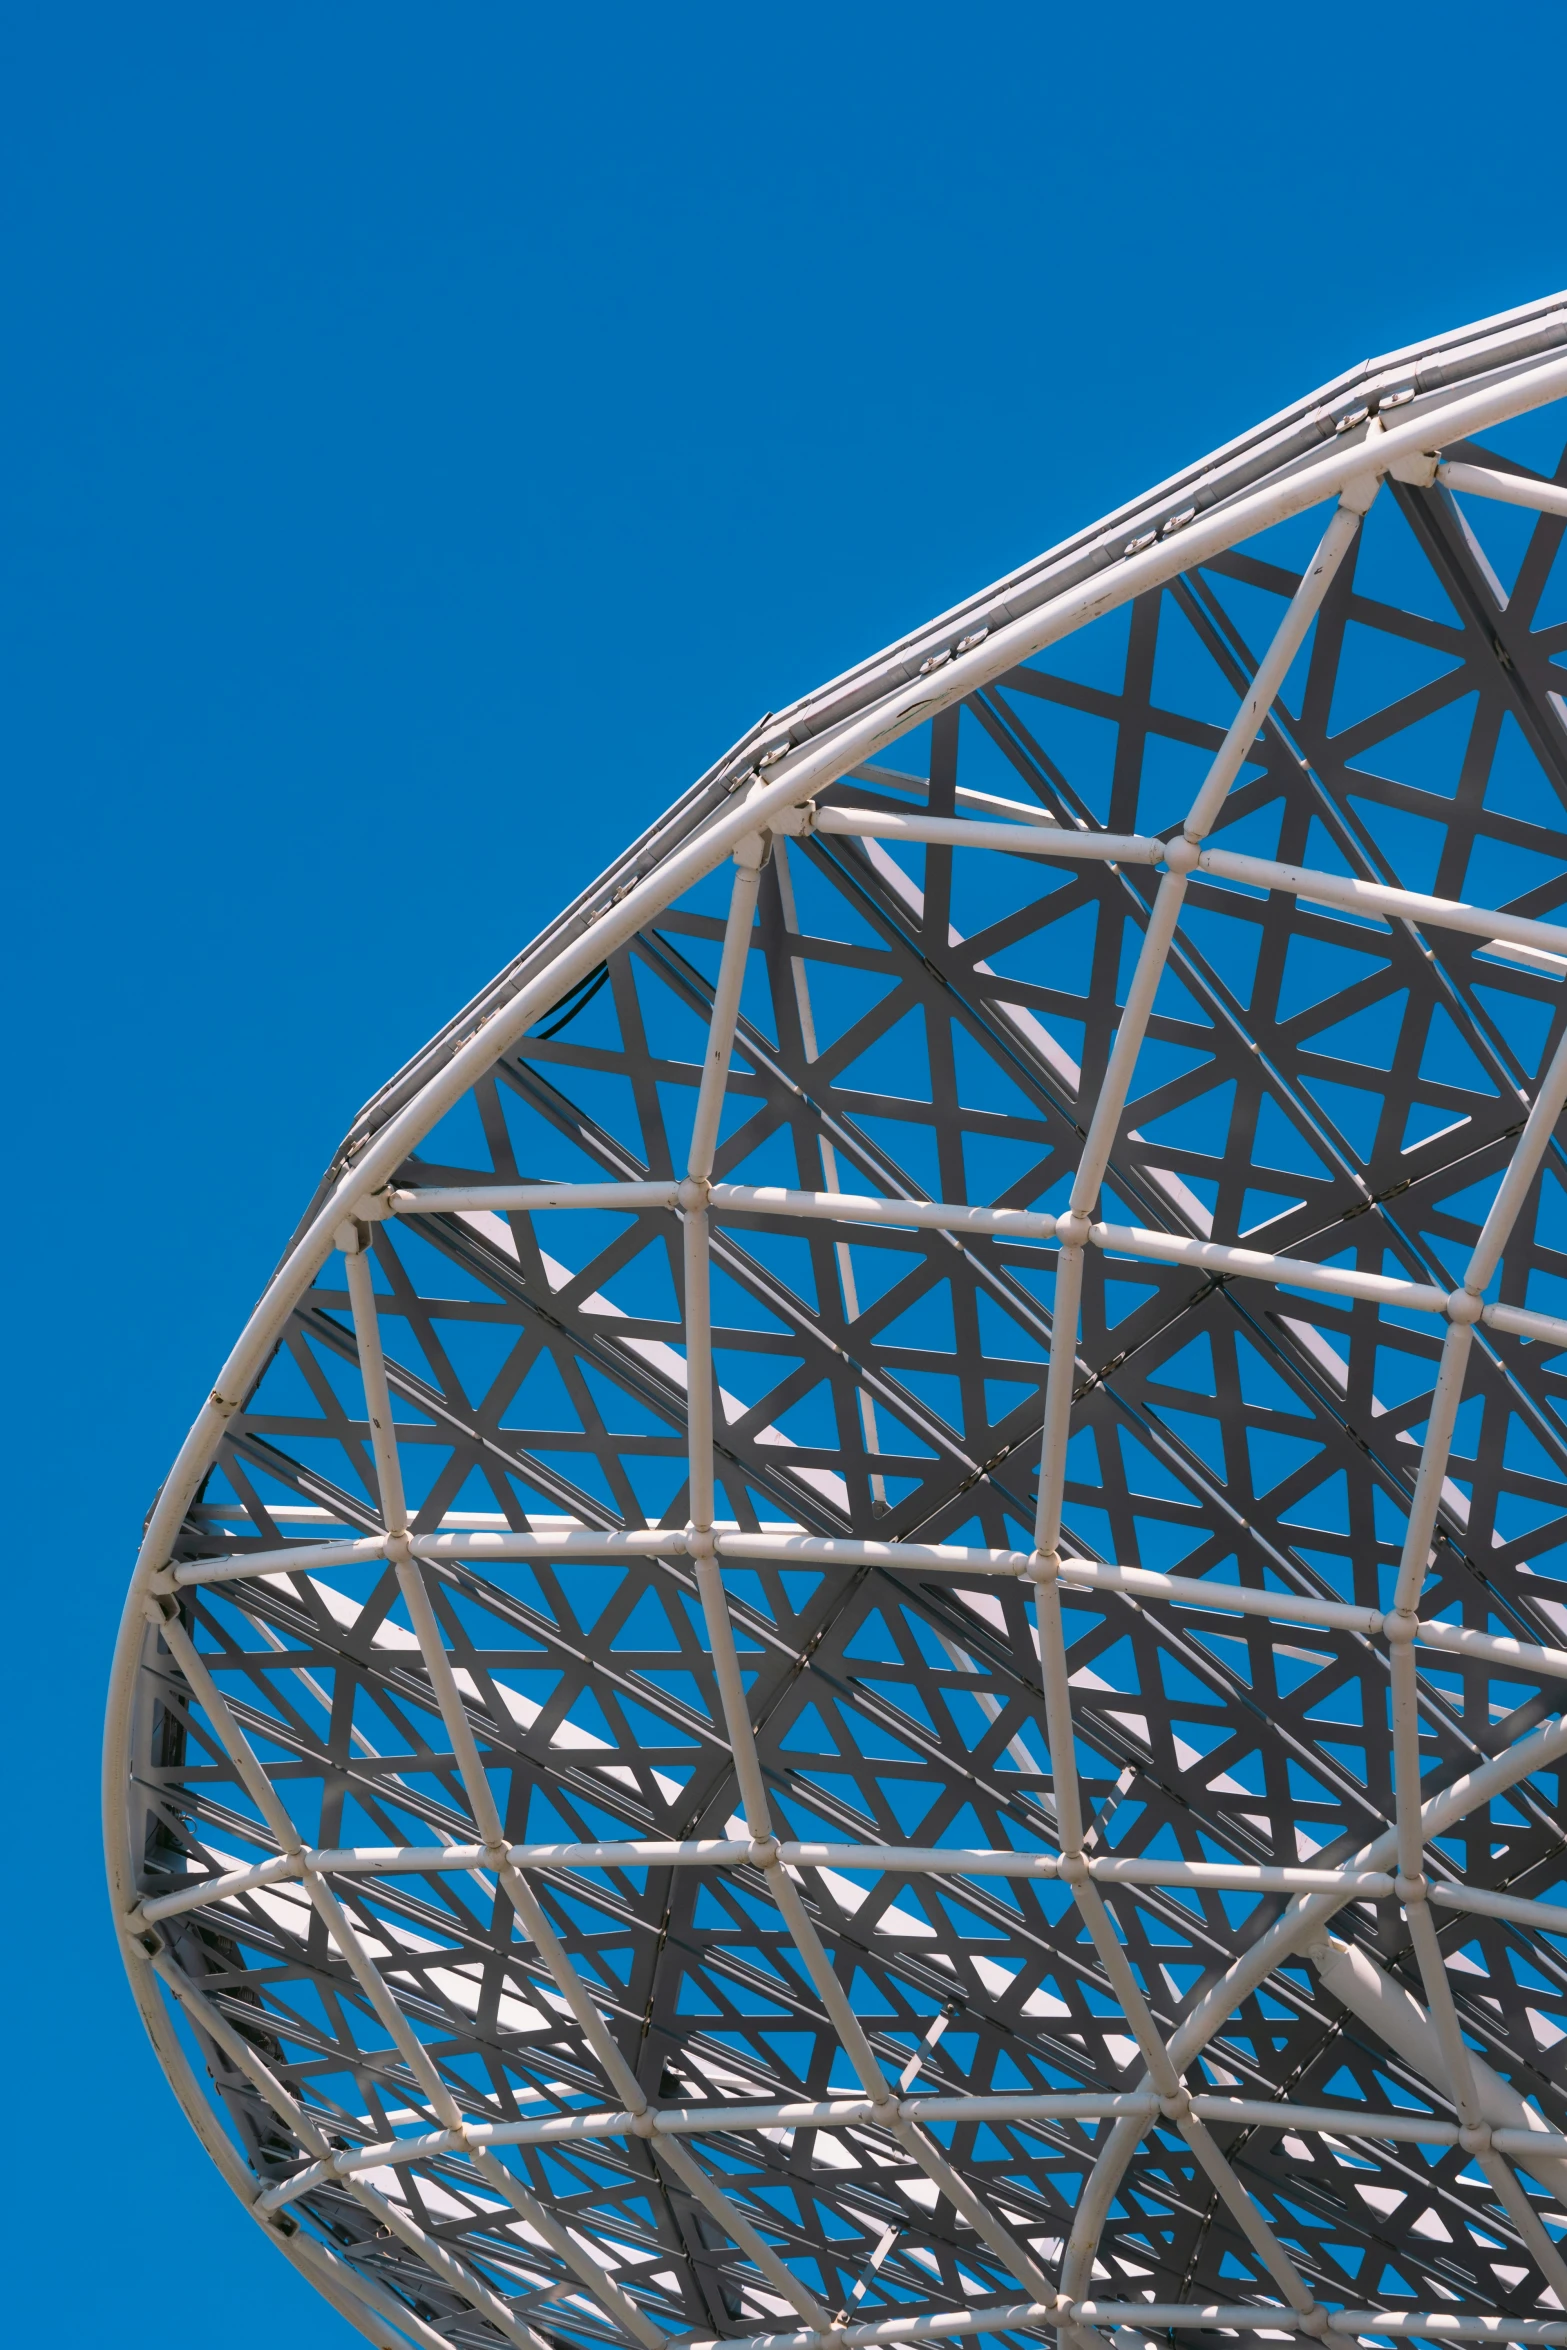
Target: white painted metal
column 1513, row 489
column 1493, row 2119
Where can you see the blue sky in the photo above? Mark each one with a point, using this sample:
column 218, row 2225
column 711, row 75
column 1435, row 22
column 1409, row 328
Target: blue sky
column 431, row 437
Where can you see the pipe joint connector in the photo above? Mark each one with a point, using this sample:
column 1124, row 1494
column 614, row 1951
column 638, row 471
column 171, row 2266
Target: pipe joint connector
column 1400, row 1625
column 1411, row 1889
column 1314, row 2321
column 1182, row 853
column 694, row 1193
column 1073, row 1228
column 1072, row 1869
column 1043, row 1567
column 793, row 823
column 764, row 1852
column 352, row 1237
column 1475, row 2138
column 1178, row 2107
column 1463, row 1306
column 701, row 1543
column 885, row 2111
column 644, row 2124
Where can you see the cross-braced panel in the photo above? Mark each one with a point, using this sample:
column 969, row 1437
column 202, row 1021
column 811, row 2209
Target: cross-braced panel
column 865, row 1646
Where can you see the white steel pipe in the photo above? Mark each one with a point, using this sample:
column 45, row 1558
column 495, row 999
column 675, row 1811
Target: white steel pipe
column 847, row 1207
column 698, row 2121
column 1519, row 1174
column 939, row 2326
column 1521, row 1656
column 315, row 1558
column 1142, row 1582
column 1288, row 638
column 882, row 1859
column 1443, row 2324
column 1110, row 1101
column 532, row 1198
column 1509, row 489
column 829, row 1550
column 1526, row 1324
column 984, row 803
column 1212, row 1256
column 1374, row 897
column 1242, row 2317
column 1354, row 2121
column 1547, row 1917
column 1023, row 840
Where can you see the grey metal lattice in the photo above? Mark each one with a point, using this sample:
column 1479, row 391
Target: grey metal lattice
column 861, row 1647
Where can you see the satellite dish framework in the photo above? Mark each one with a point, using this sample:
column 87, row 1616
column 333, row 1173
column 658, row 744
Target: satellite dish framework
column 864, row 1645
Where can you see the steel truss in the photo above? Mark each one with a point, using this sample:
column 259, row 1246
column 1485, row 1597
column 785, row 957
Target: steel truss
column 510, row 1809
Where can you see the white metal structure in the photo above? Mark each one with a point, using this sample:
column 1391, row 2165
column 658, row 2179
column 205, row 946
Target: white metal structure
column 837, row 2086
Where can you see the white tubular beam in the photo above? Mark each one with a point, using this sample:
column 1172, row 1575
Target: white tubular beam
column 1238, row 1599
column 1546, row 1917
column 1518, row 1656
column 372, row 1371
column 1547, row 1327
column 1396, row 2016
column 1426, row 1498
column 983, row 803
column 1442, row 2324
column 298, row 1558
column 1060, row 1379
column 1235, row 1599
column 1247, row 2317
column 1347, row 2121
column 1241, row 2317
column 1510, row 489
column 1116, row 1083
column 1315, row 581
column 938, row 2327
column 898, row 1859
column 530, row 1198
column 829, row 1550
column 1246, row 1264
column 720, row 1630
column 1024, row 840
column 1457, row 2063
column 284, row 1867
column 726, row 1008
column 1248, row 2215
column 702, row 2121
column 1522, row 1168
column 847, row 1207
column 314, row 1558
column 1341, row 890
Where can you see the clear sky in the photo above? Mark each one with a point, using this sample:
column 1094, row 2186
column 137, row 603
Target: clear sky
column 430, row 437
